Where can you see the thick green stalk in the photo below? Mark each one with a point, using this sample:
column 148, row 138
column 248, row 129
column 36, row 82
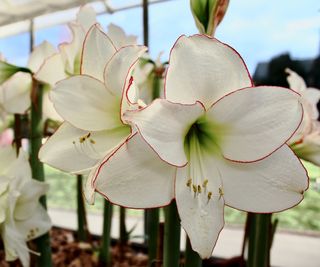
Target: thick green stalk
column 83, row 232
column 152, row 232
column 105, row 255
column 171, row 253
column 152, row 215
column 123, row 229
column 36, row 134
column 259, row 240
column 192, row 258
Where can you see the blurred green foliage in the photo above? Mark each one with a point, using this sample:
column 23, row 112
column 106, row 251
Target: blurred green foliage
column 305, row 216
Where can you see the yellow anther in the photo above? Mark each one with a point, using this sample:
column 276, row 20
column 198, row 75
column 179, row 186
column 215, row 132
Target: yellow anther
column 205, row 183
column 199, row 188
column 74, row 142
column 209, row 195
column 189, row 183
column 88, row 135
column 194, row 187
column 92, row 141
column 82, row 139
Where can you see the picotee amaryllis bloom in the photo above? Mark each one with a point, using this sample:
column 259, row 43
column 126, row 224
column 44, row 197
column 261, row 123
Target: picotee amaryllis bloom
column 218, row 141
column 306, row 141
column 15, row 92
column 92, row 105
column 22, row 218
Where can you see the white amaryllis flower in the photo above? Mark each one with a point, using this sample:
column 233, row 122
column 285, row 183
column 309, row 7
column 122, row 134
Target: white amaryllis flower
column 66, row 62
column 92, row 105
column 15, row 92
column 306, row 141
column 22, row 218
column 224, row 139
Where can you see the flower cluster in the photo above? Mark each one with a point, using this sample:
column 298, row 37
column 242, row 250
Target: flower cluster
column 212, row 140
column 22, row 218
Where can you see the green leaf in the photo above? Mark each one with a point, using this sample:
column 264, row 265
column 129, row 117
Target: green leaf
column 7, row 70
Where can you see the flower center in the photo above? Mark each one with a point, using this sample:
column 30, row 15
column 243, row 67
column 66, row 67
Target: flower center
column 199, row 142
column 86, row 145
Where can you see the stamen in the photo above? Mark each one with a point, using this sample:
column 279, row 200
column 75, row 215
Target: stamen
column 199, row 189
column 209, row 195
column 194, row 187
column 85, row 146
column 205, row 183
column 189, row 182
column 221, row 193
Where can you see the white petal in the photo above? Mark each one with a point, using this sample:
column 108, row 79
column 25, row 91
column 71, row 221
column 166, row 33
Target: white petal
column 134, row 176
column 27, row 203
column 97, row 51
column 64, row 151
column 15, row 93
column 203, row 69
column 52, row 70
column 119, row 37
column 255, row 121
column 118, row 70
column 295, row 81
column 48, row 109
column 273, row 184
column 39, row 222
column 201, row 218
column 94, row 108
column 309, row 149
column 164, row 126
column 20, row 169
column 312, row 97
column 39, row 55
column 86, row 17
column 88, row 188
column 15, row 245
column 7, row 157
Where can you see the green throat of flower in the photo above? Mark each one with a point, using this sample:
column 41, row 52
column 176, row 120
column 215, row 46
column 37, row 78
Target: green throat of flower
column 202, row 139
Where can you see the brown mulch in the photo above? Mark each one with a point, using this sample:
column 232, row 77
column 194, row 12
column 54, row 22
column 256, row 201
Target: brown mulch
column 67, row 252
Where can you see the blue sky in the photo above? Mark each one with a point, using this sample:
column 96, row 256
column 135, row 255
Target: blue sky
column 258, row 30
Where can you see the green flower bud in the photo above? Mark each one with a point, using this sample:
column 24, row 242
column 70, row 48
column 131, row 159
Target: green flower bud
column 208, row 14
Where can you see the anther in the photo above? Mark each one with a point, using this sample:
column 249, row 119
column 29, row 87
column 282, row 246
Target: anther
column 189, row 182
column 205, row 183
column 209, row 195
column 92, row 141
column 194, row 187
column 199, row 188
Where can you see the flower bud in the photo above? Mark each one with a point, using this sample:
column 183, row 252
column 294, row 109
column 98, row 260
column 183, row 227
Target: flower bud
column 208, row 14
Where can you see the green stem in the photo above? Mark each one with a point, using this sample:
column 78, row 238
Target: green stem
column 105, row 255
column 259, row 240
column 123, row 229
column 36, row 134
column 192, row 258
column 171, row 253
column 83, row 232
column 156, row 86
column 152, row 232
